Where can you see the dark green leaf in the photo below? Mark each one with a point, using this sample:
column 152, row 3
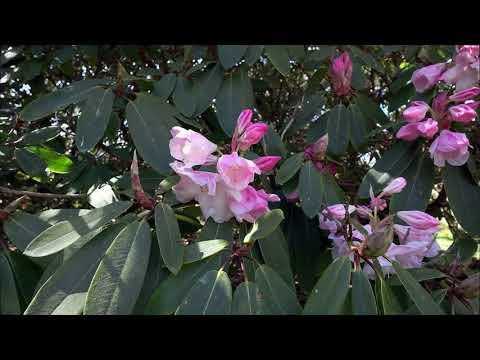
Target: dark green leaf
column 371, row 110
column 9, row 300
column 203, row 249
column 310, row 189
column 363, row 299
column 164, row 87
column 229, row 55
column 264, row 225
column 206, row 87
column 72, row 305
column 212, row 230
column 39, row 136
column 338, row 129
column 184, row 96
column 390, row 303
column 289, row 168
column 274, row 144
column 253, row 53
column 278, row 55
column 30, row 162
column 358, row 127
column 246, row 299
column 420, row 274
column 94, row 119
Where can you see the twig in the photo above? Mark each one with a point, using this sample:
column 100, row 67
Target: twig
column 41, row 195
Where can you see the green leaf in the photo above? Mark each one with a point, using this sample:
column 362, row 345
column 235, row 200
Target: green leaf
column 169, row 294
column 338, row 129
column 72, row 305
column 312, row 106
column 212, row 230
column 119, row 277
column 274, row 250
column 391, row 165
column 149, row 122
column 169, row 238
column 371, row 110
column 211, row 295
column 274, row 144
column 358, row 127
column 21, row 228
column 39, row 136
column 184, row 96
column 289, row 168
column 9, row 300
column 402, row 97
column 264, row 225
column 235, row 95
column 420, row 176
column 419, row 295
column 59, row 99
column 437, row 295
column 363, row 299
column 390, row 303
column 164, row 87
column 276, row 296
column 56, row 163
column 330, row 292
column 332, row 193
column 203, row 249
column 206, row 87
column 229, row 55
column 463, row 196
column 253, row 53
column 246, row 299
column 30, row 162
column 419, row 274
column 278, row 56
column 94, row 119
column 65, row 233
column 310, row 189
column 318, row 128
column 74, row 275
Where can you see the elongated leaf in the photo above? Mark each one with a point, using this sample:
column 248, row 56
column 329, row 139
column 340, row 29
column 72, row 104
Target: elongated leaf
column 212, row 230
column 253, row 53
column 9, row 299
column 338, row 129
column 74, row 276
column 363, row 299
column 235, row 95
column 149, row 121
column 463, row 196
column 119, row 277
column 39, row 136
column 358, row 127
column 65, row 233
column 437, row 295
column 312, row 106
column 94, row 119
column 390, row 304
column 264, row 225
column 21, row 228
column 419, row 295
column 274, row 144
column 420, row 176
column 206, row 87
column 56, row 162
column 371, row 110
column 229, row 55
column 332, row 193
column 164, row 87
column 276, row 296
column 169, row 294
column 59, row 99
column 211, row 295
column 279, row 57
column 183, row 96
column 72, row 305
column 391, row 165
column 246, row 299
column 330, row 292
column 419, row 274
column 203, row 249
column 310, row 189
column 289, row 168
column 30, row 162
column 169, row 239
column 275, row 253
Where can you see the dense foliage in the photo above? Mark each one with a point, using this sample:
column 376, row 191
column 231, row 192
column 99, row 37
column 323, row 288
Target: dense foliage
column 239, row 179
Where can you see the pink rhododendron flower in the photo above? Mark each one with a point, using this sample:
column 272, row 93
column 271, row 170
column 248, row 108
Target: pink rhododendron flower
column 267, row 163
column 440, row 104
column 252, row 204
column 341, row 74
column 216, row 206
column 419, row 220
column 416, row 111
column 330, row 217
column 408, row 132
column 465, row 73
column 204, row 179
column 252, row 135
column 451, row 147
column 394, row 187
column 363, row 211
column 190, row 147
column 427, row 128
column 425, row 78
column 464, row 95
column 462, row 113
column 237, row 172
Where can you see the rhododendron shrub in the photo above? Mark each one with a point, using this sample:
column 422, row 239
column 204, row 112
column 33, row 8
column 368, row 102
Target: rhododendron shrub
column 239, row 179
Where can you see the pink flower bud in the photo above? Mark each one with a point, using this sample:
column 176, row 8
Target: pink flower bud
column 419, row 220
column 341, row 74
column 465, row 95
column 462, row 113
column 440, row 104
column 267, row 163
column 244, row 120
column 451, row 147
column 394, row 187
column 236, row 171
column 426, row 77
column 408, row 132
column 252, row 135
column 416, row 111
column 317, row 150
column 427, row 128
column 364, row 211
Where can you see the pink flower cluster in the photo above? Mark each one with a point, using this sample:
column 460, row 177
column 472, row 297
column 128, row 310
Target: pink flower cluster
column 341, row 70
column 448, row 146
column 415, row 240
column 226, row 193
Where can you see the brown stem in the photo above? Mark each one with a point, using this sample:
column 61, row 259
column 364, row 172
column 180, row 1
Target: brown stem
column 41, row 195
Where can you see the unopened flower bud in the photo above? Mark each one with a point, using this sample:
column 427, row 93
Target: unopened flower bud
column 252, row 135
column 419, row 220
column 267, row 163
column 466, row 94
column 470, row 287
column 317, row 150
column 394, row 187
column 416, row 111
column 341, row 71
